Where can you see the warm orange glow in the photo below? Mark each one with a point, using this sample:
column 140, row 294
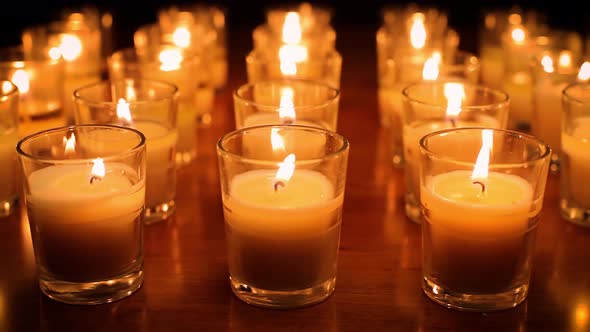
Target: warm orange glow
column 480, row 170
column 565, row 59
column 286, row 169
column 430, row 71
column 20, row 78
column 518, row 36
column 287, row 108
column 547, row 63
column 455, row 93
column 276, row 140
column 418, row 31
column 182, row 37
column 98, row 170
column 123, row 111
column 170, row 59
column 292, row 28
column 70, row 144
column 106, row 20
column 581, row 316
column 54, row 53
column 70, row 47
column 584, row 73
column 515, row 19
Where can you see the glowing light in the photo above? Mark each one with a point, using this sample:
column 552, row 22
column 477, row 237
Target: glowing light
column 418, row 31
column 286, row 169
column 123, row 111
column 181, row 37
column 480, row 170
column 518, row 36
column 584, row 73
column 430, row 71
column 455, row 93
column 170, row 59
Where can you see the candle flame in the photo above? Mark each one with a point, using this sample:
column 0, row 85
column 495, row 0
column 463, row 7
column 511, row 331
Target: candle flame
column 515, row 19
column 430, row 71
column 286, row 169
column 20, row 78
column 547, row 63
column 123, row 111
column 565, row 59
column 54, row 53
column 6, row 87
column 98, row 171
column 70, row 144
column 292, row 28
column 276, row 140
column 418, row 31
column 584, row 73
column 480, row 170
column 581, row 316
column 287, row 107
column 518, row 36
column 455, row 93
column 181, row 37
column 70, row 48
column 170, row 59
column 292, row 52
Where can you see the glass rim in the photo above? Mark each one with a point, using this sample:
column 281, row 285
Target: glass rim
column 13, row 89
column 545, row 155
column 306, row 82
column 222, row 151
column 505, row 98
column 173, row 89
column 457, row 54
column 122, row 56
column 573, row 100
column 131, row 150
column 258, row 57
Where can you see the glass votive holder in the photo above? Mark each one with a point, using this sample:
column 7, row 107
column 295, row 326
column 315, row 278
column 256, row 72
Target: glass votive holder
column 575, row 156
column 150, row 107
column 9, row 102
column 185, row 70
column 74, row 41
column 481, row 195
column 287, row 101
column 553, row 71
column 434, row 106
column 40, row 83
column 326, row 68
column 410, row 67
column 84, row 189
column 283, row 212
column 200, row 28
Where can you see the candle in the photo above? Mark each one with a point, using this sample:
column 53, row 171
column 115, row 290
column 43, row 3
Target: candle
column 479, row 223
column 576, row 162
column 298, row 223
column 283, row 215
column 8, row 192
column 85, row 230
column 520, row 88
column 84, row 190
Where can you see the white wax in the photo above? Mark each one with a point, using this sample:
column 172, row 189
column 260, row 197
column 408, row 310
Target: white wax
column 283, row 239
column 576, row 161
column 547, row 115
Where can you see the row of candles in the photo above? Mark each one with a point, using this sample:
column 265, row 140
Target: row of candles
column 283, row 170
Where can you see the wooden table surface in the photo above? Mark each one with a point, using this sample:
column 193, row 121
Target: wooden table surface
column 378, row 284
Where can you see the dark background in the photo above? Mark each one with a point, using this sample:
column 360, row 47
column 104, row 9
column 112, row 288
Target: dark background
column 465, row 16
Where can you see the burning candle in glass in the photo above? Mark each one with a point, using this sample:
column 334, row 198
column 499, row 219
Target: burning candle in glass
column 8, row 138
column 480, row 219
column 283, row 215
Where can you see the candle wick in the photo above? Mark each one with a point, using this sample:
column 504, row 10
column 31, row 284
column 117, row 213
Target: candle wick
column 483, row 186
column 288, row 121
column 453, row 122
column 278, row 184
column 94, row 178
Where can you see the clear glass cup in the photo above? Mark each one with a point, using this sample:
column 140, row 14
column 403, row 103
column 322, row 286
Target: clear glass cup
column 282, row 191
column 40, row 82
column 185, row 70
column 9, row 102
column 553, row 71
column 84, row 189
column 410, row 67
column 326, row 67
column 575, row 157
column 426, row 109
column 150, row 107
column 74, row 40
column 287, row 101
column 481, row 195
